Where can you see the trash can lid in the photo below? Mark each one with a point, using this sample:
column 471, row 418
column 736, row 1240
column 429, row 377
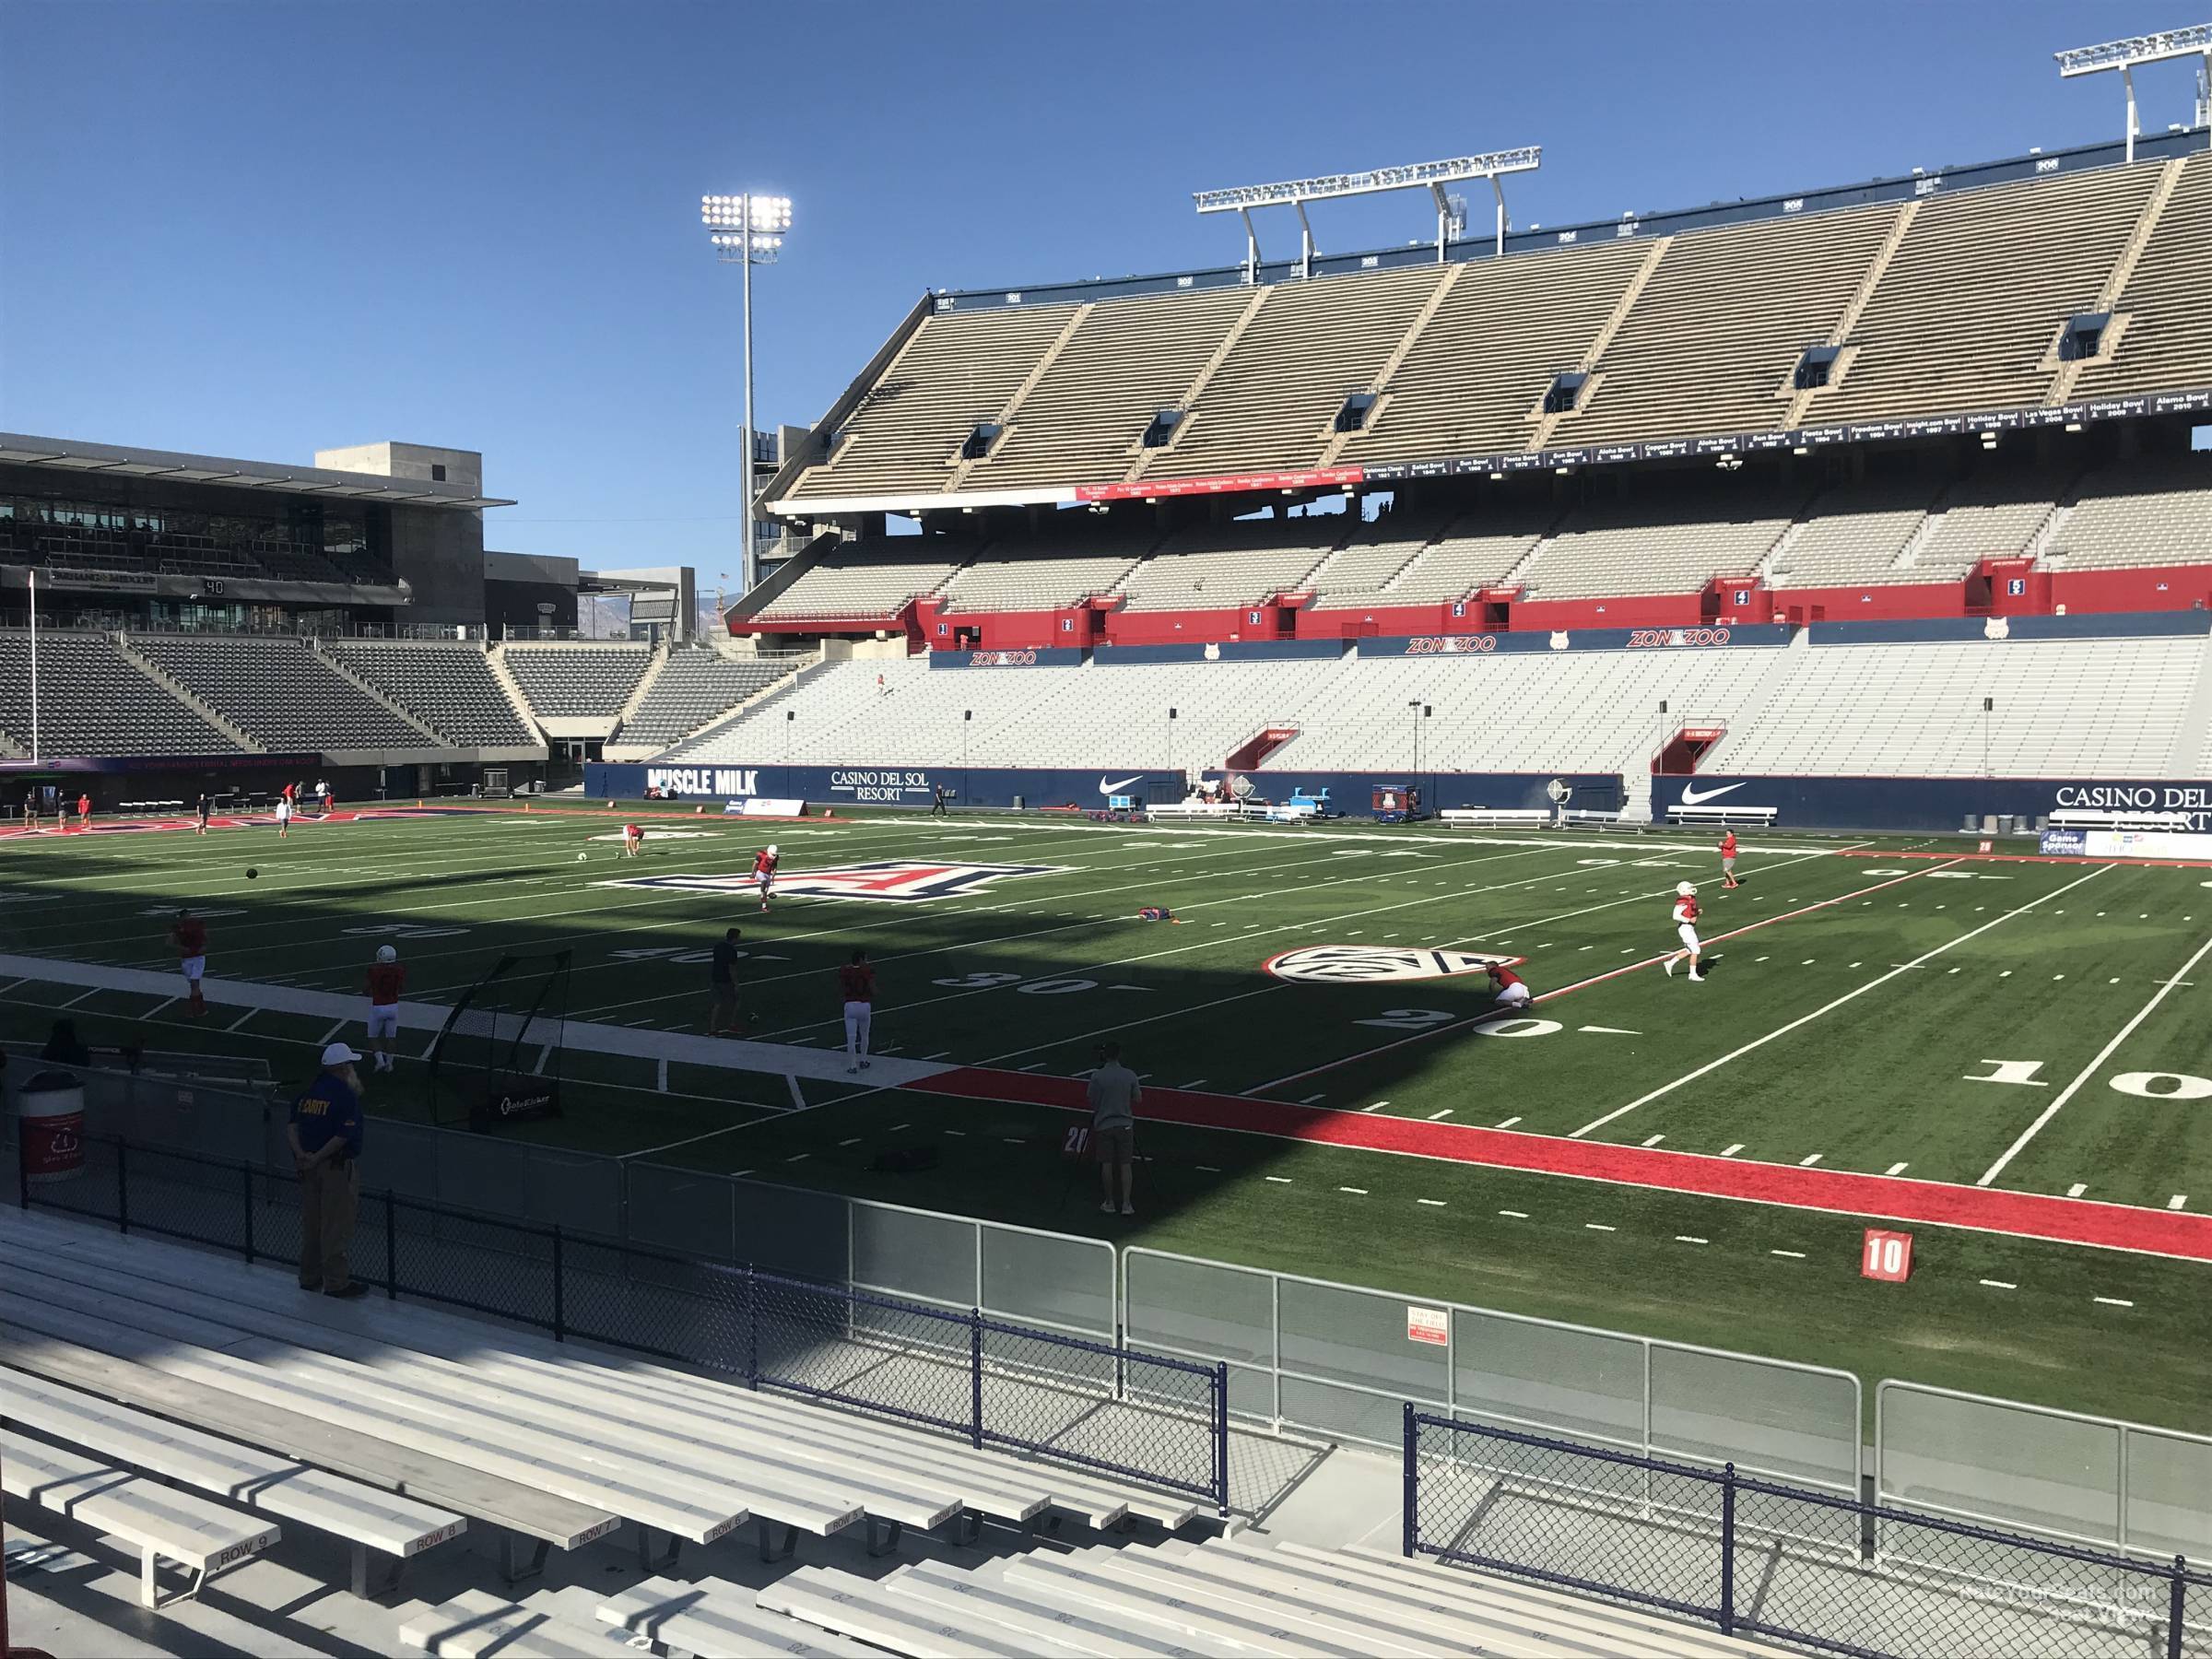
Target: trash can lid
column 51, row 1082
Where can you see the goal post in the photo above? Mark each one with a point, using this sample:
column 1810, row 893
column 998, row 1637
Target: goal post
column 497, row 1057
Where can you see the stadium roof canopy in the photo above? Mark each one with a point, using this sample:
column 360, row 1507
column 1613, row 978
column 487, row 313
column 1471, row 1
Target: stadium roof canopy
column 66, row 455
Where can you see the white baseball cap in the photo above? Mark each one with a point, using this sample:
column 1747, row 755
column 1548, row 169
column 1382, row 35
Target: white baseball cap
column 384, row 953
column 337, row 1054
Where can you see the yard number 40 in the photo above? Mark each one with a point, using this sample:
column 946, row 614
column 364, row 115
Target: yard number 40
column 1886, row 1255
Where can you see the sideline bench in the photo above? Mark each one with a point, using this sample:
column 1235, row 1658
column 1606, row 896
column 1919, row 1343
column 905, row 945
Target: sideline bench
column 477, row 1622
column 396, row 1528
column 1722, row 814
column 1477, row 818
column 716, row 1620
column 165, row 1524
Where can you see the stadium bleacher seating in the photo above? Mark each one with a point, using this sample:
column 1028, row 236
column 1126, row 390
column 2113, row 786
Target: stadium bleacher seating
column 1969, row 311
column 1603, row 549
column 2169, row 337
column 867, row 579
column 1033, row 573
column 1128, row 360
column 957, row 371
column 1853, row 535
column 1278, row 394
column 1960, row 312
column 2103, row 708
column 1886, row 708
column 279, row 692
column 1712, row 339
column 450, row 688
column 2155, row 513
column 1216, row 567
column 696, row 685
column 93, row 702
column 576, row 682
column 1474, row 381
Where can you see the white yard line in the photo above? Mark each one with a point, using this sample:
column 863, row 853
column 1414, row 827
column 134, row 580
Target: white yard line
column 1805, row 1019
column 2091, row 1069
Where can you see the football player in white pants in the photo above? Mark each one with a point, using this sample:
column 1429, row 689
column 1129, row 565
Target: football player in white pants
column 857, row 986
column 1512, row 990
column 1686, row 929
column 387, row 980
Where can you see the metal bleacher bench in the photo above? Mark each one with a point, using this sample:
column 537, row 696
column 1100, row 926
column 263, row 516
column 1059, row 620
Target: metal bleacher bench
column 395, row 1527
column 475, row 1622
column 715, row 1620
column 165, row 1524
column 1721, row 813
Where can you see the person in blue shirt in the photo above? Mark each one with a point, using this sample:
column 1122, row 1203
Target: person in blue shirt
column 326, row 1136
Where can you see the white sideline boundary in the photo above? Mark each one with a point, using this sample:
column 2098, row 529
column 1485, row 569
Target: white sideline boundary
column 723, row 1053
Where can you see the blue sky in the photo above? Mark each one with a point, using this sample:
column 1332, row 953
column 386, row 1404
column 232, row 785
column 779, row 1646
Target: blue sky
column 261, row 229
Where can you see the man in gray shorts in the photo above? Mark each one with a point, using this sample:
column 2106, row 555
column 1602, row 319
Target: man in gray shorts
column 1114, row 1098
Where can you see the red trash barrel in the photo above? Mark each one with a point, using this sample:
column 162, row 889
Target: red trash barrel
column 51, row 1118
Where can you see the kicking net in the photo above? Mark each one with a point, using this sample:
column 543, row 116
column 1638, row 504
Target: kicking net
column 497, row 1057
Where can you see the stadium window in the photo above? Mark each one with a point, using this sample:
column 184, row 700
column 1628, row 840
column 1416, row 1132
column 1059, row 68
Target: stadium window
column 1814, row 366
column 1162, row 430
column 2083, row 335
column 1565, row 390
column 437, row 472
column 979, row 441
column 1352, row 417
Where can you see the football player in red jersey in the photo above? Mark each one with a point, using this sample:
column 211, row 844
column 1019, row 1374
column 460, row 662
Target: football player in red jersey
column 764, row 872
column 1728, row 858
column 387, row 979
column 190, row 936
column 1512, row 990
column 1686, row 929
column 633, row 840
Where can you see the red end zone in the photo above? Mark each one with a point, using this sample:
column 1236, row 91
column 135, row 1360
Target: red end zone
column 1837, row 1192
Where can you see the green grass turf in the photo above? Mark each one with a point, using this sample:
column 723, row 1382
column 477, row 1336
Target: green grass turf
column 1852, row 1035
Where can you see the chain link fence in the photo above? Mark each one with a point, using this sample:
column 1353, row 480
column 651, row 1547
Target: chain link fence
column 1098, row 1404
column 1757, row 1558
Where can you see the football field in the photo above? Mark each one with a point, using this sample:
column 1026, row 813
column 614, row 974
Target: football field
column 2010, row 1058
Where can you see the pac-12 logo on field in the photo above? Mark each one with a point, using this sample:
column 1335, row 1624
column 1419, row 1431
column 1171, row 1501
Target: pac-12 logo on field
column 1373, row 964
column 891, row 881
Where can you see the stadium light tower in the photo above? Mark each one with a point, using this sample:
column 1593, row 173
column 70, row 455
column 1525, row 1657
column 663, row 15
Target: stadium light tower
column 746, row 230
column 1431, row 176
column 2124, row 56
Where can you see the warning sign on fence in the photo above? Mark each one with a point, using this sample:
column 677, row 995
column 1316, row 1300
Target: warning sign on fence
column 1428, row 1324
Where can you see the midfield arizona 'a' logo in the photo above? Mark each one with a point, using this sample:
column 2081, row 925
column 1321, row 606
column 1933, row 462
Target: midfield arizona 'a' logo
column 889, row 881
column 1371, row 964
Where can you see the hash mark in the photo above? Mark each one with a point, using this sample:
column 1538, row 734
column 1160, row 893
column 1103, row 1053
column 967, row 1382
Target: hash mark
column 1311, row 1099
column 1899, row 1169
column 1209, row 1169
column 1431, row 1203
column 2078, row 1189
column 1516, row 1215
column 1797, row 1255
column 2178, row 1201
column 1361, row 1191
column 1434, row 1116
column 1806, row 1163
column 1999, row 1284
column 2112, row 1301
column 1599, row 1227
column 1509, row 1122
column 1654, row 1140
column 1278, row 1180
column 1193, row 1083
column 853, row 1142
column 1732, row 1151
column 1688, row 1239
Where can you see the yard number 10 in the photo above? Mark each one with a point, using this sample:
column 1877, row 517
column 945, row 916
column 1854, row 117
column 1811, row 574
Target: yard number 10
column 1886, row 1255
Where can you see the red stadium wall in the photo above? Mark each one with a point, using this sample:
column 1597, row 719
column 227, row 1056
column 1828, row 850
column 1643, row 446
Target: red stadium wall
column 2168, row 587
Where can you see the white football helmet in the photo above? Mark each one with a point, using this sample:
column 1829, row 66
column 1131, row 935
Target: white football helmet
column 384, row 953
column 772, row 850
column 1683, row 889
